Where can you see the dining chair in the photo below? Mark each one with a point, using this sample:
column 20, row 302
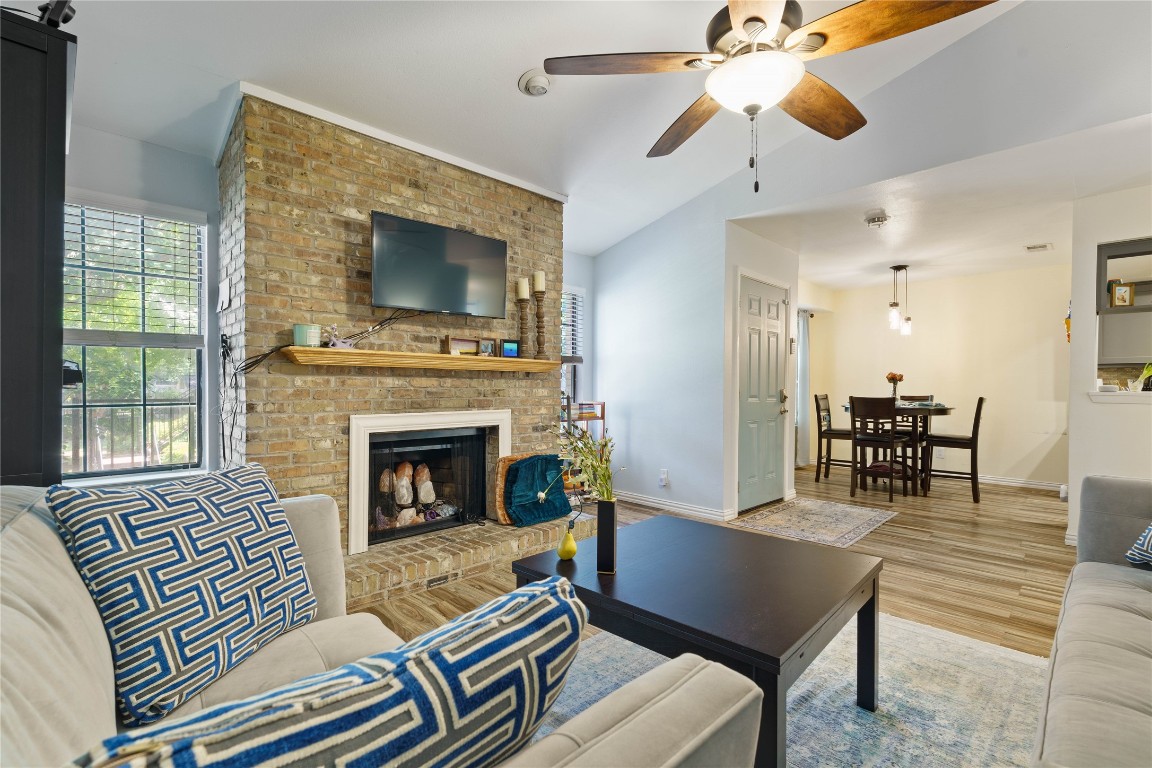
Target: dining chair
column 874, row 426
column 917, row 433
column 961, row 442
column 825, row 435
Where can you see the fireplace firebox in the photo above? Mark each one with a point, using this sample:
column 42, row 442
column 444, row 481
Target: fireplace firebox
column 424, row 480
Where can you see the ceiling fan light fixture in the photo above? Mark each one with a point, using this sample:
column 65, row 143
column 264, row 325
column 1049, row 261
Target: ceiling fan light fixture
column 755, row 81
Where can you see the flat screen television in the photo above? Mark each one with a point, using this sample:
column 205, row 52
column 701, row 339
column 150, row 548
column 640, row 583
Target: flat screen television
column 431, row 268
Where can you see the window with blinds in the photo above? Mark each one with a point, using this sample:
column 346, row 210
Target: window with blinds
column 133, row 322
column 571, row 340
column 571, row 324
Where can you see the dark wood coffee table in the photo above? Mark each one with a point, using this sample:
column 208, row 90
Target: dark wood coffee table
column 761, row 605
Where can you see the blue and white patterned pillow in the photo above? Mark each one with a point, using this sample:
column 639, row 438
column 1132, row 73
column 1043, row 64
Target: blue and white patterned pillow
column 190, row 577
column 468, row 694
column 1141, row 552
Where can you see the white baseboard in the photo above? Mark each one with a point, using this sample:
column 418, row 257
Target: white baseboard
column 1017, row 483
column 675, row 506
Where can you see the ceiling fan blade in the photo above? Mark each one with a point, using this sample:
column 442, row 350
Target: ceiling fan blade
column 687, row 124
column 768, row 11
column 873, row 21
column 822, row 108
column 629, row 63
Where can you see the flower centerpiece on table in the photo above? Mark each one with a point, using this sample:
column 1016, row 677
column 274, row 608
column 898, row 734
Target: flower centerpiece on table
column 894, row 379
column 590, row 459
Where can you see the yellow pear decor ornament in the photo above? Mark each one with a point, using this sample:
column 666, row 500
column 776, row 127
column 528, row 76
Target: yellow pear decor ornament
column 567, row 548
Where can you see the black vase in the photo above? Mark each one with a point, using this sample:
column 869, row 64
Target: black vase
column 606, row 536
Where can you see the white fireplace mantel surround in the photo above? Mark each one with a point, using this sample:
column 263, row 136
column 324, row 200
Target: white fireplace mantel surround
column 360, row 430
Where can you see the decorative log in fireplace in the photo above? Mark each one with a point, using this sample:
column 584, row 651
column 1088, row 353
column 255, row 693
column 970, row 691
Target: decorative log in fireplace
column 424, row 480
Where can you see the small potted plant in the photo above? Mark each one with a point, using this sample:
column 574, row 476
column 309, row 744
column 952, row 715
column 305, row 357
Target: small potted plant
column 590, row 459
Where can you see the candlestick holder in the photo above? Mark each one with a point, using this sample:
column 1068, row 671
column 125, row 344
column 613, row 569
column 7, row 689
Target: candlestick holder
column 539, row 324
column 523, row 304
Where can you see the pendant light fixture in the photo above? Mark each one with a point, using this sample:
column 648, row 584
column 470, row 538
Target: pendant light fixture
column 895, row 317
column 906, row 325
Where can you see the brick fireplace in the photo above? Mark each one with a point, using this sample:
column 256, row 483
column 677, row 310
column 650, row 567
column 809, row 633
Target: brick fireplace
column 297, row 194
column 380, row 443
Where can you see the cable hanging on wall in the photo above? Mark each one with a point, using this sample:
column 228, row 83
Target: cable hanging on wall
column 230, row 374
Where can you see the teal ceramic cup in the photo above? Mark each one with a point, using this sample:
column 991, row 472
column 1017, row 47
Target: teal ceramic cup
column 305, row 335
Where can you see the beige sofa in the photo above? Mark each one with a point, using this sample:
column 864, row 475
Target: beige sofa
column 56, row 679
column 1098, row 705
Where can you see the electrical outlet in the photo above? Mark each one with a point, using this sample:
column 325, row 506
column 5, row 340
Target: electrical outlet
column 663, row 478
column 938, row 455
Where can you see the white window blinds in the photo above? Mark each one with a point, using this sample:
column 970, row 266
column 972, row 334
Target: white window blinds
column 131, row 275
column 571, row 324
column 133, row 288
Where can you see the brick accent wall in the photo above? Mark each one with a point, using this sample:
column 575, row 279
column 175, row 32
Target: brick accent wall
column 232, row 279
column 297, row 195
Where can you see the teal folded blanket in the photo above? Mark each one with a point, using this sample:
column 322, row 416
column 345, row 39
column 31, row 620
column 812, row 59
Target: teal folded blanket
column 524, row 480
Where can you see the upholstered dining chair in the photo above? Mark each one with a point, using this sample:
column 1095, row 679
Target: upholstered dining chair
column 960, row 442
column 874, row 426
column 826, row 433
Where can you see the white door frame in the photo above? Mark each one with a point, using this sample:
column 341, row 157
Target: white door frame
column 732, row 391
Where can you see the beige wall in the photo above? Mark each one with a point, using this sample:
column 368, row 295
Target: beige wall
column 821, row 369
column 998, row 335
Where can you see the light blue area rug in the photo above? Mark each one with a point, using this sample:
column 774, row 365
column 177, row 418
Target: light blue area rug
column 944, row 699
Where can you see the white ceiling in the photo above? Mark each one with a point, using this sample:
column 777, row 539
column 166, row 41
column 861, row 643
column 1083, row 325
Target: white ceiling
column 444, row 74
column 961, row 218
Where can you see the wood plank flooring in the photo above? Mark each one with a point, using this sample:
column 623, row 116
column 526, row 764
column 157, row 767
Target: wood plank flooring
column 994, row 571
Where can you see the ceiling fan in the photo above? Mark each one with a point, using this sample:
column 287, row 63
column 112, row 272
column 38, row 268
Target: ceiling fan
column 757, row 50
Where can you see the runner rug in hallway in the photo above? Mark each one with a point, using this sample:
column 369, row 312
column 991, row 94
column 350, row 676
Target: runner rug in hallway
column 944, row 699
column 824, row 522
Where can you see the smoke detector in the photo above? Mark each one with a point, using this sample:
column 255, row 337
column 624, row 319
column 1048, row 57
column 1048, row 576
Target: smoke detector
column 534, row 83
column 877, row 219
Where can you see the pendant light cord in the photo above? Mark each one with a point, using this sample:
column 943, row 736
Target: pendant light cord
column 907, row 309
column 752, row 158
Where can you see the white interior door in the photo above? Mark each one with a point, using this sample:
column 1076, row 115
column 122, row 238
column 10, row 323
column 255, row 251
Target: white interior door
column 762, row 397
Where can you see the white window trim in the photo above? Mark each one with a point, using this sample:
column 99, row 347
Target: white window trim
column 79, row 196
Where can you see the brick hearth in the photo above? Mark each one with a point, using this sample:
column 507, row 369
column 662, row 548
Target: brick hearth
column 412, row 565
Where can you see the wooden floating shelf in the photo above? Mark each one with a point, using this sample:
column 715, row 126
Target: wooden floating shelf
column 375, row 358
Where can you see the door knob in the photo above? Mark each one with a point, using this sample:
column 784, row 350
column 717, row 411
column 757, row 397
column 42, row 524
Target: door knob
column 783, row 409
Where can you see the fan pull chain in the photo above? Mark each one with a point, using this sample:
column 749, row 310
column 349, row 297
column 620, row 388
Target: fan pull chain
column 755, row 152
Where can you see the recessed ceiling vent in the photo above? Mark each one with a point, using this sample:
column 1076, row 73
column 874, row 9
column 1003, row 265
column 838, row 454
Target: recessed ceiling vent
column 1038, row 247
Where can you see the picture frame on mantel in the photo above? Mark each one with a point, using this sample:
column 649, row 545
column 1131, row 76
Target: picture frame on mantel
column 457, row 346
column 487, row 348
column 1123, row 294
column 509, row 348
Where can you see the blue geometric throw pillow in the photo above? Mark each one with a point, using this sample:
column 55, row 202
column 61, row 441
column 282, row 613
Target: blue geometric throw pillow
column 467, row 694
column 190, row 577
column 1141, row 551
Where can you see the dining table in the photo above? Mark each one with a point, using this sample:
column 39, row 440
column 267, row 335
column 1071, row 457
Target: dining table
column 921, row 413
